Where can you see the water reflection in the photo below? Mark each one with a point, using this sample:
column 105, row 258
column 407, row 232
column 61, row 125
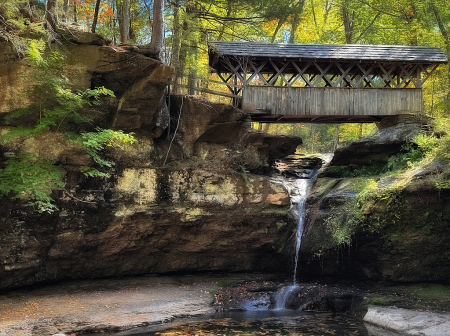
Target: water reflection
column 272, row 322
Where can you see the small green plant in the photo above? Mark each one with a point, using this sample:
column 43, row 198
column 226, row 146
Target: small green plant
column 53, row 106
column 30, row 178
column 94, row 142
column 412, row 155
column 245, row 173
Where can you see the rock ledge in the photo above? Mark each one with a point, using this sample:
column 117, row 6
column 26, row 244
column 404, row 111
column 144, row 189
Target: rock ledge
column 409, row 322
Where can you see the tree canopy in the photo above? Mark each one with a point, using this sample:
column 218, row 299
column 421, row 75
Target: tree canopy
column 181, row 29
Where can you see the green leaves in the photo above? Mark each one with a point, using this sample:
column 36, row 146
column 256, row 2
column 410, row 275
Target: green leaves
column 27, row 177
column 94, row 142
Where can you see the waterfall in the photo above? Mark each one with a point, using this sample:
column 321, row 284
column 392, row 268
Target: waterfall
column 299, row 201
column 302, row 173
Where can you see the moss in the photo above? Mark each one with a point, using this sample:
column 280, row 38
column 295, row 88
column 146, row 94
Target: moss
column 280, row 224
column 390, row 211
column 379, row 301
column 430, row 291
column 355, row 171
column 193, row 214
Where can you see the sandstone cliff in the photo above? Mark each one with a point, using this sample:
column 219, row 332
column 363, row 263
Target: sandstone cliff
column 183, row 199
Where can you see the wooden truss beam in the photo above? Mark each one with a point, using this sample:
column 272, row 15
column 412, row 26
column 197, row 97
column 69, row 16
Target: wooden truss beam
column 245, row 71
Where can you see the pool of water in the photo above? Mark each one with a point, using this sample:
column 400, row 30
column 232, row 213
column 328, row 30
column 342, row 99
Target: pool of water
column 270, row 323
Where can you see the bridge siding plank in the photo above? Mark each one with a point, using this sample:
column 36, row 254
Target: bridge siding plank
column 332, row 101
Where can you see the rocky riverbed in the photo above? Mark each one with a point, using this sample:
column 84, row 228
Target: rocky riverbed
column 148, row 303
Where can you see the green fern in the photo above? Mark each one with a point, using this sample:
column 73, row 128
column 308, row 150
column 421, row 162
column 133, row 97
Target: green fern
column 54, row 104
column 94, row 142
column 27, row 177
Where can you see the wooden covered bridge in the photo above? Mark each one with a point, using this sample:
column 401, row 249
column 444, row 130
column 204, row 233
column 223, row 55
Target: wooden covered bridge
column 324, row 83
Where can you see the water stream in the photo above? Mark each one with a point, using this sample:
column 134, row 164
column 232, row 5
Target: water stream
column 302, row 177
column 303, row 188
column 299, row 184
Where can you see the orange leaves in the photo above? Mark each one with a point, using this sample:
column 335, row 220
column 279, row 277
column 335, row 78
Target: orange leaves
column 107, row 11
column 86, row 8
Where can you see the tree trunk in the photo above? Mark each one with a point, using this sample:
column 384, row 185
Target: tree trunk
column 445, row 35
column 314, row 13
column 176, row 43
column 193, row 51
column 176, row 36
column 65, row 17
column 184, row 46
column 188, row 30
column 311, row 137
column 97, row 8
column 75, row 14
column 125, row 22
column 327, row 11
column 157, row 41
column 348, row 24
column 222, row 30
column 296, row 20
column 294, row 26
column 113, row 21
column 336, row 137
column 280, row 23
column 50, row 14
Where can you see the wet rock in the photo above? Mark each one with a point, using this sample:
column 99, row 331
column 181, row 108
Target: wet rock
column 410, row 322
column 323, row 299
column 299, row 166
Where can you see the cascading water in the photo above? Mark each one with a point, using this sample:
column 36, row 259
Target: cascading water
column 298, row 186
column 304, row 186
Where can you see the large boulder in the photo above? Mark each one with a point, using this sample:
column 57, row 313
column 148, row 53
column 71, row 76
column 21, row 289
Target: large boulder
column 395, row 133
column 409, row 322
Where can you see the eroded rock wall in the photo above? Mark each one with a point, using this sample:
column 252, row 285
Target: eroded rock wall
column 400, row 238
column 393, row 227
column 148, row 221
column 182, row 199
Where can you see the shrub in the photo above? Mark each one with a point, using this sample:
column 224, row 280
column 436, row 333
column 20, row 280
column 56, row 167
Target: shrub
column 54, row 104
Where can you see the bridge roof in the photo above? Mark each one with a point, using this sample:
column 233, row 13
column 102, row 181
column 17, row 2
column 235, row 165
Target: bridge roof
column 329, row 52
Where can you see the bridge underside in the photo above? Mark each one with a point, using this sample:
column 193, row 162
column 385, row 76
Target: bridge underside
column 319, row 119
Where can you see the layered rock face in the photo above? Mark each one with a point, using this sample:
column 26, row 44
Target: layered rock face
column 183, row 199
column 148, row 221
column 398, row 233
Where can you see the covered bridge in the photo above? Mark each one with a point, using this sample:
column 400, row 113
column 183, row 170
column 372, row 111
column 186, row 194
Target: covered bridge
column 324, row 83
